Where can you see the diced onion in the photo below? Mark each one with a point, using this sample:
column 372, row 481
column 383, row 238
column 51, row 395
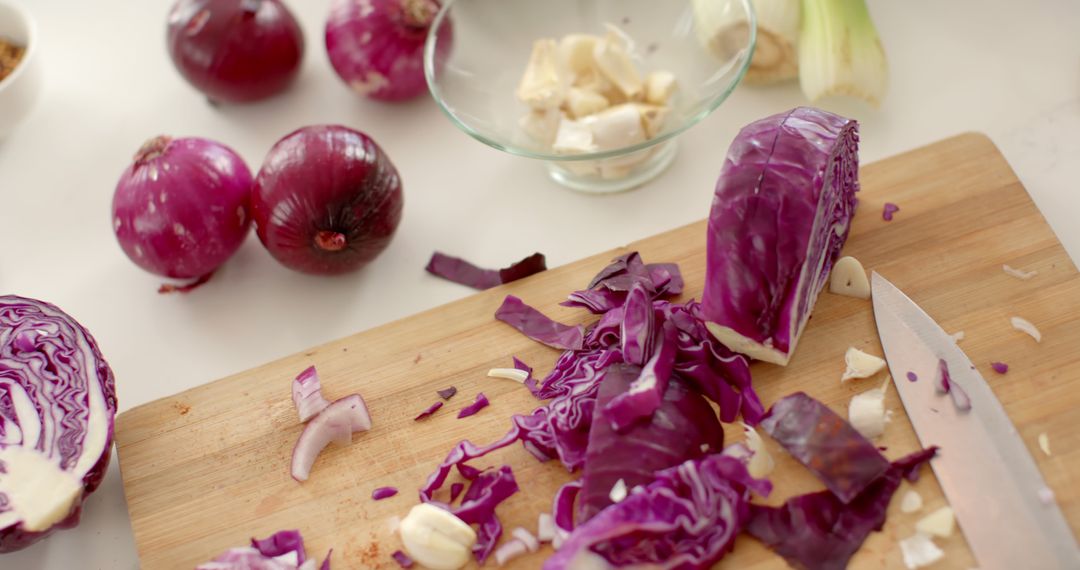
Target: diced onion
column 509, row 550
column 919, row 550
column 545, row 527
column 1025, row 326
column 1019, row 273
column 911, row 502
column 527, row 538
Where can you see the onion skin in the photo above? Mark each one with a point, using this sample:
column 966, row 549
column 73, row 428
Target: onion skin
column 327, row 200
column 235, row 50
column 377, row 46
column 182, row 208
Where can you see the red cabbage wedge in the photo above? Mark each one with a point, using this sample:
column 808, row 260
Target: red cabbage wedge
column 57, row 405
column 781, row 212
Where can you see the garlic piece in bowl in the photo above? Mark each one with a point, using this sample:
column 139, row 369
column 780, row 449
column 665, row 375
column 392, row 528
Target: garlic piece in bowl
column 21, row 80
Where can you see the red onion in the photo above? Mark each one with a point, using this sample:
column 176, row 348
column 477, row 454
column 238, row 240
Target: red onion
column 336, row 423
column 377, row 46
column 235, row 50
column 327, row 200
column 182, row 208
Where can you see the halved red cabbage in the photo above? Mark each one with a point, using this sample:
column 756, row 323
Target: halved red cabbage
column 283, row 550
column 537, row 326
column 57, row 405
column 687, row 517
column 818, row 531
column 683, row 426
column 460, row 271
column 781, row 213
column 826, row 444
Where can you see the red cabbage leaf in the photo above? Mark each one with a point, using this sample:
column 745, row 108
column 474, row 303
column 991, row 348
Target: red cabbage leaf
column 537, row 326
column 460, row 271
column 781, row 212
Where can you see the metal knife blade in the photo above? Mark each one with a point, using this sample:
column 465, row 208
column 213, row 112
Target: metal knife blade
column 1003, row 505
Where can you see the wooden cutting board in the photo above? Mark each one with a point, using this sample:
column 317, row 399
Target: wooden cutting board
column 209, row 468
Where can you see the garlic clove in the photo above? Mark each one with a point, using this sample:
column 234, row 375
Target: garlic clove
column 911, row 502
column 613, row 61
column 542, row 85
column 541, row 125
column 761, row 462
column 583, row 102
column 866, row 412
column 437, row 539
column 652, row 118
column 573, row 137
column 849, row 278
column 616, row 127
column 659, row 86
column 938, row 523
column 576, row 54
column 860, row 364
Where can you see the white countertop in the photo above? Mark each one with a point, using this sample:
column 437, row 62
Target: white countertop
column 1007, row 69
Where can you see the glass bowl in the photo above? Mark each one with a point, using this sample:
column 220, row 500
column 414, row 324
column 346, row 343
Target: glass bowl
column 484, row 48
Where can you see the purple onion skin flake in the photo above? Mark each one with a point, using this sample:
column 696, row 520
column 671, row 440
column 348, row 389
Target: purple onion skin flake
column 383, row 493
column 999, row 367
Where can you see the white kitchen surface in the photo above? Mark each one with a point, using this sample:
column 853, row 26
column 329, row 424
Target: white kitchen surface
column 1009, row 69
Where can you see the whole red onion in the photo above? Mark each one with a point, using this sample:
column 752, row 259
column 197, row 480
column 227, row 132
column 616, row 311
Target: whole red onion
column 182, row 208
column 377, row 46
column 235, row 50
column 327, row 200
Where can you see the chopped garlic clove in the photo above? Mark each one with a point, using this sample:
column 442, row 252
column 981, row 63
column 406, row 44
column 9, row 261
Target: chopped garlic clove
column 1044, row 443
column 860, row 364
column 761, row 462
column 542, row 85
column 659, row 85
column 849, row 278
column 866, row 413
column 541, row 125
column 1025, row 326
column 576, row 55
column 957, row 336
column 509, row 374
column 919, row 550
column 616, row 127
column 652, row 118
column 613, row 61
column 573, row 137
column 618, row 491
column 938, row 523
column 437, row 539
column 583, row 102
column 1019, row 273
column 911, row 502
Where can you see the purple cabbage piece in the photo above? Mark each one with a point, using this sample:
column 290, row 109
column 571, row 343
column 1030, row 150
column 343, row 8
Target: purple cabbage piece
column 460, row 271
column 644, row 395
column 888, row 211
column 447, row 393
column 282, row 543
column 429, row 411
column 609, row 289
column 455, row 491
column 283, row 550
column 826, row 444
column 480, row 403
column 486, row 491
column 683, row 426
column 383, row 493
column 563, row 505
column 529, row 382
column 818, row 531
column 535, row 325
column 57, row 407
column 637, row 331
column 402, row 559
column 781, row 213
column 688, row 517
column 999, row 367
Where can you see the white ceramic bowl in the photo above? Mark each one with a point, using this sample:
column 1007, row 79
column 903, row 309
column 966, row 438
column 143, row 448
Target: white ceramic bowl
column 19, row 90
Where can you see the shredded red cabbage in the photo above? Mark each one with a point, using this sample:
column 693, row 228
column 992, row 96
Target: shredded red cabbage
column 609, row 289
column 480, row 403
column 688, row 517
column 402, row 559
column 530, row 382
column 284, row 550
column 888, row 211
column 461, row 271
column 447, row 393
column 383, row 493
column 818, row 531
column 455, row 491
column 429, row 411
column 644, row 395
column 537, row 326
column 944, row 384
column 684, row 426
column 999, row 367
column 563, row 505
column 826, row 444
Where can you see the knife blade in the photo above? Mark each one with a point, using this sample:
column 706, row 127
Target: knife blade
column 1002, row 503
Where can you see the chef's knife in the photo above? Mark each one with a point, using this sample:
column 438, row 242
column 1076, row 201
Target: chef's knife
column 1005, row 509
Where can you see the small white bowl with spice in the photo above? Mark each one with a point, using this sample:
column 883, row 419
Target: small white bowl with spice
column 20, row 73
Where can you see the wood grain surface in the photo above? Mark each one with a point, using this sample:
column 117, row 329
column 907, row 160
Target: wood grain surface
column 209, row 468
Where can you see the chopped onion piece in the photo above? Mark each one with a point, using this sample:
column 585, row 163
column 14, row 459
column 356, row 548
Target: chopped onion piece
column 919, row 551
column 447, row 393
column 429, row 411
column 1044, row 443
column 545, row 527
column 944, row 385
column 1025, row 326
column 1046, row 496
column 848, row 278
column 480, row 403
column 860, row 364
column 1019, row 273
column 911, row 502
column 761, row 462
column 618, row 491
column 402, row 559
column 527, row 538
column 383, row 493
column 867, row 412
column 938, row 523
column 307, row 394
column 509, row 374
column 336, row 423
column 509, row 551
column 957, row 336
column 999, row 367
